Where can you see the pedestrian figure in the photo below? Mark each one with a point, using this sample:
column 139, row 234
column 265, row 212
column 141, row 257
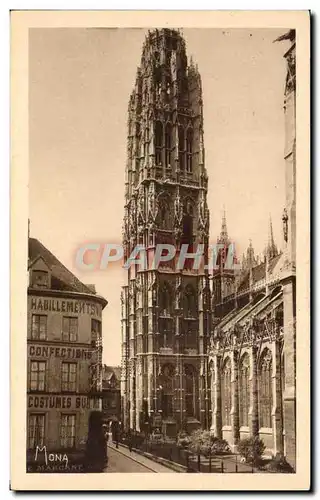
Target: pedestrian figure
column 96, row 447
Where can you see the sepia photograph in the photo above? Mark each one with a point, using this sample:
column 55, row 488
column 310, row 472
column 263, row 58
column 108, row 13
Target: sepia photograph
column 161, row 229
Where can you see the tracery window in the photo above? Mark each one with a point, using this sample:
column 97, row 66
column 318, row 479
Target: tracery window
column 189, row 149
column 158, row 141
column 226, row 392
column 166, row 319
column 187, row 234
column 165, row 299
column 167, row 389
column 190, row 391
column 168, row 144
column 181, row 147
column 244, row 390
column 165, row 219
column 190, row 333
column 190, row 303
column 146, row 142
column 265, row 389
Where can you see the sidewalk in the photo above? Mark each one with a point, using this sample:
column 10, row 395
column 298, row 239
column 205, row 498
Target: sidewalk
column 140, row 459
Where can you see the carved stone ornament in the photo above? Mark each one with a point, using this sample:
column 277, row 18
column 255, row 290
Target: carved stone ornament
column 139, row 283
column 132, row 368
column 141, row 203
column 131, row 290
column 152, row 206
column 203, row 222
column 173, row 65
column 285, row 225
column 152, row 282
column 139, row 366
column 125, row 235
column 178, row 215
column 212, row 343
column 178, row 291
column 132, row 216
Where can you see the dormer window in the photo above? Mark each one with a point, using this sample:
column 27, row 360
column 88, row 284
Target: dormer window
column 40, row 279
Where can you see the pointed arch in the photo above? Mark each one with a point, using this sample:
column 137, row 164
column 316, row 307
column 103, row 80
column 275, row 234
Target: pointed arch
column 244, row 389
column 166, row 386
column 146, row 141
column 168, row 144
column 165, row 299
column 265, row 389
column 189, row 144
column 181, row 141
column 191, row 390
column 165, row 219
column 226, row 392
column 187, row 225
column 158, row 140
column 190, row 302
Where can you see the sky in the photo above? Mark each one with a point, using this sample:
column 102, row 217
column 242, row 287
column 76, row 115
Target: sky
column 79, row 86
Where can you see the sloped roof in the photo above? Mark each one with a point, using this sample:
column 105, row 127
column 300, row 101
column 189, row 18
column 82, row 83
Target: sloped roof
column 61, row 277
column 289, row 35
column 108, row 371
column 258, row 273
column 257, row 309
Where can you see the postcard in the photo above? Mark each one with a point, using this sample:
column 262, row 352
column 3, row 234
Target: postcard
column 160, row 304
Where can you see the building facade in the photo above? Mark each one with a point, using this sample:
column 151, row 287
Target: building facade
column 111, row 402
column 64, row 357
column 252, row 350
column 165, row 311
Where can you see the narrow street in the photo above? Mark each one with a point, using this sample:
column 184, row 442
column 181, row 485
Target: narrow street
column 121, row 460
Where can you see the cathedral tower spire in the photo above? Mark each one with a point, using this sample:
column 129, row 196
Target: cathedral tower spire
column 165, row 313
column 224, row 231
column 272, row 250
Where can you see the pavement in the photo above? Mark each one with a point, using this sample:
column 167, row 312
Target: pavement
column 122, row 460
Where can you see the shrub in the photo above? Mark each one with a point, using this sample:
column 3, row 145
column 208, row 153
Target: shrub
column 183, row 439
column 219, row 446
column 197, row 440
column 251, row 449
column 279, row 464
column 204, row 443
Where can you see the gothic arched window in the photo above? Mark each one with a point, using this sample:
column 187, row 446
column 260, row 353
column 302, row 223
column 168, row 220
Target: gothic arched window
column 168, row 141
column 244, row 390
column 165, row 219
column 146, row 141
column 145, row 93
column 190, row 302
column 166, row 387
column 190, row 390
column 165, row 316
column 265, row 389
column 187, row 230
column 226, row 392
column 158, row 142
column 181, row 147
column 165, row 299
column 189, row 149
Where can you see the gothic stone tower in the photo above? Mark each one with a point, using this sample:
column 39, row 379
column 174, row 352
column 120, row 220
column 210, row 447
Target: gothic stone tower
column 165, row 311
column 289, row 233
